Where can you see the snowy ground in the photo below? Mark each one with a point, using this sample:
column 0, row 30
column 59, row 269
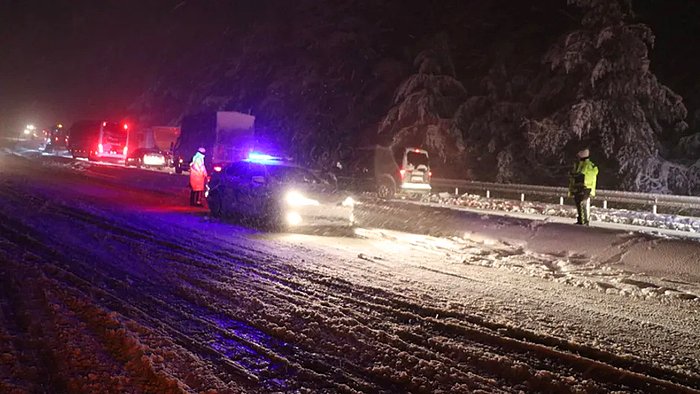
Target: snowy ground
column 111, row 284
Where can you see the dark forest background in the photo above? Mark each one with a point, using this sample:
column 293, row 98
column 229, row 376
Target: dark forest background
column 497, row 90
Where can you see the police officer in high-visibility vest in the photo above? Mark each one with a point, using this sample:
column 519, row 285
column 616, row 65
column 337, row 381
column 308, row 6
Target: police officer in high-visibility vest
column 582, row 181
column 198, row 178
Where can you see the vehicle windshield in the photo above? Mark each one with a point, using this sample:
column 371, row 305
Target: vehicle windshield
column 417, row 158
column 287, row 174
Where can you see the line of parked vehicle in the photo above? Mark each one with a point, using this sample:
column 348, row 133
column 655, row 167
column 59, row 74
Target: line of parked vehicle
column 245, row 182
column 115, row 142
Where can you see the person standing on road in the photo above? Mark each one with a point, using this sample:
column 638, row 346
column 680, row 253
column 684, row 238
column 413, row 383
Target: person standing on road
column 582, row 182
column 198, row 178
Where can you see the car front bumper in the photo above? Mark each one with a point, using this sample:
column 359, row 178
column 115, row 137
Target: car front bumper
column 322, row 215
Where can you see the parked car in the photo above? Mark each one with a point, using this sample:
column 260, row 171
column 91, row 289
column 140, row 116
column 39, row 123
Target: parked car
column 388, row 172
column 277, row 194
column 146, row 157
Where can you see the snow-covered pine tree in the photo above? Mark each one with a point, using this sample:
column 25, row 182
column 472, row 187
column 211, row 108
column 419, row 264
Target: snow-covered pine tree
column 604, row 95
column 424, row 106
column 491, row 127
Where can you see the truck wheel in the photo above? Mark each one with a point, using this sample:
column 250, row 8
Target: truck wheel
column 386, row 189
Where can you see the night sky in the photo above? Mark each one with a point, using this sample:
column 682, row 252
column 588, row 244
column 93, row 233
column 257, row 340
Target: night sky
column 63, row 60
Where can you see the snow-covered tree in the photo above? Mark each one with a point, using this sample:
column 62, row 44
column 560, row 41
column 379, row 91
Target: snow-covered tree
column 491, row 127
column 425, row 104
column 305, row 70
column 602, row 94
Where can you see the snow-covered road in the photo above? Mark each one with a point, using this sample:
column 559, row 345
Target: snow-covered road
column 110, row 284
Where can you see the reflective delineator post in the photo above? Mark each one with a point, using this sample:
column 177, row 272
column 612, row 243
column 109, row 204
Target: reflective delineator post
column 653, row 209
column 561, row 200
column 522, row 196
column 456, row 191
column 605, row 204
column 488, row 194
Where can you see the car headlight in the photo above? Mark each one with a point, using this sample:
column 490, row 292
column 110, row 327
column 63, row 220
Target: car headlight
column 348, row 202
column 296, row 199
column 293, row 219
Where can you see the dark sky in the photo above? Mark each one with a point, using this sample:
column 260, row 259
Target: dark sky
column 68, row 59
column 675, row 58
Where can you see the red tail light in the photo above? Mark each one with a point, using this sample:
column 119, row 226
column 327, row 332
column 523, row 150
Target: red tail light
column 217, row 168
column 430, row 174
column 402, row 173
column 100, row 148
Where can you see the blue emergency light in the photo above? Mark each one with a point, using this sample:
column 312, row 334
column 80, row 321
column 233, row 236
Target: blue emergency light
column 261, row 158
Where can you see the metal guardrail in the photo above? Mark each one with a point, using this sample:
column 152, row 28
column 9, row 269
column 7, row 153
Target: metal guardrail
column 650, row 199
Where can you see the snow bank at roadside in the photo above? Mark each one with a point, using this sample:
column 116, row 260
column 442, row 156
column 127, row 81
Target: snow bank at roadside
column 571, row 268
column 620, row 216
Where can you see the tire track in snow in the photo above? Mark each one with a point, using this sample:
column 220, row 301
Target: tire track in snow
column 79, row 216
column 126, row 307
column 153, row 311
column 411, row 312
column 590, row 357
column 581, row 358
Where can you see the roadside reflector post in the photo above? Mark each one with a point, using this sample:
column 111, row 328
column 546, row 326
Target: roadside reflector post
column 488, row 194
column 456, row 191
column 605, row 204
column 561, row 200
column 522, row 196
column 653, row 209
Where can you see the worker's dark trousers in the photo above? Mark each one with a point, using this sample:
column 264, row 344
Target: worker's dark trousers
column 583, row 207
column 195, row 198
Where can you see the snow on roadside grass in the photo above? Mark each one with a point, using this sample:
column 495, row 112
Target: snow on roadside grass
column 620, row 216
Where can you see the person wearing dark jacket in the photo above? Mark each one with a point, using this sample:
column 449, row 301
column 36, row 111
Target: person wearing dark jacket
column 582, row 183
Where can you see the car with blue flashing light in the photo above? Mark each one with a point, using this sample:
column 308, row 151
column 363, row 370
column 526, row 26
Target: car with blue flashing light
column 273, row 193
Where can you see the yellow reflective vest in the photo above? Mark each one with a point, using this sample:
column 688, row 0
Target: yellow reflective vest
column 583, row 176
